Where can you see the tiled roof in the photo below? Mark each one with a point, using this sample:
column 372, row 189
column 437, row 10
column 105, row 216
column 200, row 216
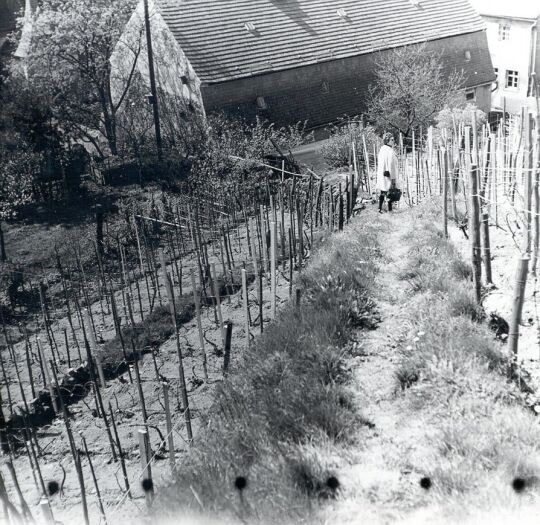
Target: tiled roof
column 293, row 33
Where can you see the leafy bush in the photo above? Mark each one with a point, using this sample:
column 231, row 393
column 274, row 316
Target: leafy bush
column 456, row 116
column 219, row 168
column 17, row 172
column 337, row 150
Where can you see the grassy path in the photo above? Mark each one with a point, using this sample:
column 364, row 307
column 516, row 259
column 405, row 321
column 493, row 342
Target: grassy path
column 451, row 441
column 373, row 479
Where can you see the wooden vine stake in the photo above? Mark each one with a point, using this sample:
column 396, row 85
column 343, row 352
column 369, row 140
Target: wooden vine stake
column 218, row 302
column 96, row 354
column 168, row 422
column 517, row 308
column 197, row 301
column 475, row 235
column 227, row 350
column 183, row 388
column 273, row 267
column 486, row 248
column 146, row 469
column 120, row 452
column 246, row 306
column 46, row 512
column 47, row 377
column 444, row 163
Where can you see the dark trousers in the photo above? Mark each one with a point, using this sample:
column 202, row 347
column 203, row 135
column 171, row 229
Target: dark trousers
column 381, row 201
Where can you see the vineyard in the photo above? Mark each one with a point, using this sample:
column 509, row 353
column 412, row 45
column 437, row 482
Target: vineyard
column 110, row 364
column 127, row 344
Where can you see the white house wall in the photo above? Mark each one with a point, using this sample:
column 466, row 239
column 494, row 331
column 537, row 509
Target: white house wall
column 513, row 54
column 170, row 62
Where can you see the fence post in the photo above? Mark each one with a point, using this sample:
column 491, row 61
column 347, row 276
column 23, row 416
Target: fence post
column 475, row 234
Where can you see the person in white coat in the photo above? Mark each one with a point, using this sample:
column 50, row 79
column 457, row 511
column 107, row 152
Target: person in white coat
column 387, row 169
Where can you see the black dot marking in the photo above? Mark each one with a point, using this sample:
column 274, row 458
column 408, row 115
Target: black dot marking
column 332, row 483
column 147, row 484
column 53, row 487
column 240, row 483
column 519, row 484
column 425, row 483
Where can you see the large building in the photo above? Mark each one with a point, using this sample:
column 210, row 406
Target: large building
column 312, row 60
column 512, row 31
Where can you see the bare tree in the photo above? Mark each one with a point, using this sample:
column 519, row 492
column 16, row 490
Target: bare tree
column 412, row 86
column 69, row 58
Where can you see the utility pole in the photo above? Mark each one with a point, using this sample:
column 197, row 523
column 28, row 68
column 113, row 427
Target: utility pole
column 153, row 89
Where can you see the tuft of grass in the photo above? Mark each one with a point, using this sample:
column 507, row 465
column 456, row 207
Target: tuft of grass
column 286, row 404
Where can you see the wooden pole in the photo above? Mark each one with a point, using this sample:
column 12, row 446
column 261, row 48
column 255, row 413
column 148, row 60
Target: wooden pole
column 273, row 268
column 78, row 468
column 46, row 511
column 168, row 421
column 96, row 354
column 139, row 384
column 120, row 452
column 475, row 234
column 517, row 308
column 197, row 301
column 218, row 302
column 536, row 196
column 444, row 163
column 486, row 248
column 54, row 402
column 227, row 351
column 94, row 479
column 146, row 469
column 182, row 377
column 246, row 307
column 22, row 502
column 528, row 190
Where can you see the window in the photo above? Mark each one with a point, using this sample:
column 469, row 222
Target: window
column 496, row 69
column 504, row 30
column 250, row 26
column 468, row 56
column 325, row 87
column 470, row 95
column 512, row 78
column 184, row 80
column 342, row 13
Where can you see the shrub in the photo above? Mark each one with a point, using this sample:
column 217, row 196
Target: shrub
column 336, row 151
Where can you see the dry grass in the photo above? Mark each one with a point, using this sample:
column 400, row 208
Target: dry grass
column 286, row 406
